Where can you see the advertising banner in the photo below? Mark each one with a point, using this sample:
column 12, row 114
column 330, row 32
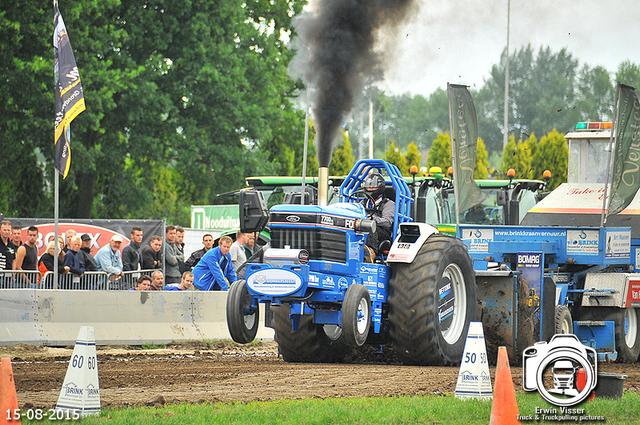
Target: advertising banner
column 220, row 218
column 464, row 141
column 100, row 231
column 625, row 181
column 530, row 264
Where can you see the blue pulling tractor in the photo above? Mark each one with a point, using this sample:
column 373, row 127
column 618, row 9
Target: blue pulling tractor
column 557, row 272
column 322, row 298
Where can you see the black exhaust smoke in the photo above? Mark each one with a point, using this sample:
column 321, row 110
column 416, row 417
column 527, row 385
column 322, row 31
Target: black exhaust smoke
column 336, row 57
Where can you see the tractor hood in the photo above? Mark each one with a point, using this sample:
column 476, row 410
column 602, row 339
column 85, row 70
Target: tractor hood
column 340, row 215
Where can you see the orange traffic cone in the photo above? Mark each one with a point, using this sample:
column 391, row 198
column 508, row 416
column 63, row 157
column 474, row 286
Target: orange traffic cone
column 504, row 409
column 8, row 397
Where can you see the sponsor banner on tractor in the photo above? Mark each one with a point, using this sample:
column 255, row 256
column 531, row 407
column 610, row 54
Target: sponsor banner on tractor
column 274, row 282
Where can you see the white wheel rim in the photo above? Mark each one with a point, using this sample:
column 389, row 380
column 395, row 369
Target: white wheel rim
column 363, row 316
column 564, row 326
column 630, row 327
column 455, row 275
column 249, row 319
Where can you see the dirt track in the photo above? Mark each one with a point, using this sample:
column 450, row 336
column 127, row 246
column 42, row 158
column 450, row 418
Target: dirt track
column 227, row 372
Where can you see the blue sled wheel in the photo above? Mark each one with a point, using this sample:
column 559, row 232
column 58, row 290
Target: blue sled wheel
column 242, row 319
column 628, row 335
column 564, row 323
column 627, row 329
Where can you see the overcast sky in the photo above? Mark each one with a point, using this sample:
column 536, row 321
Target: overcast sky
column 458, row 41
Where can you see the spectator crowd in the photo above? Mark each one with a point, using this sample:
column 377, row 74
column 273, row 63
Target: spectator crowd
column 154, row 268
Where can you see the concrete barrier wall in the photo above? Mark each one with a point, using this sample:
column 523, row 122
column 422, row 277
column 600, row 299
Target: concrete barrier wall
column 53, row 317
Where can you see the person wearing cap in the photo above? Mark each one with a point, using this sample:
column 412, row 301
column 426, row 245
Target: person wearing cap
column 109, row 259
column 87, row 259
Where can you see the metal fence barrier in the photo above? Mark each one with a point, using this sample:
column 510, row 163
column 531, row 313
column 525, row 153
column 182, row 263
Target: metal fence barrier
column 88, row 281
column 100, row 281
column 130, row 278
column 19, row 279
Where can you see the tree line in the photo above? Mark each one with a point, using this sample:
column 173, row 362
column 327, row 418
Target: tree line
column 185, row 99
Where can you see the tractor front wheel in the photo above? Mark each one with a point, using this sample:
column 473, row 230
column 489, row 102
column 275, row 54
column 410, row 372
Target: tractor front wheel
column 356, row 315
column 242, row 319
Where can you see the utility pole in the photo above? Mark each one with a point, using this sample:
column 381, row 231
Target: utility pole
column 505, row 138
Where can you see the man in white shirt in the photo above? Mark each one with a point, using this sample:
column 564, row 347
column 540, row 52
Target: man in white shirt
column 238, row 256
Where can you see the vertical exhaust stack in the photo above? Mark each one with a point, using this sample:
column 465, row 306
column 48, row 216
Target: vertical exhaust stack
column 337, row 57
column 323, row 186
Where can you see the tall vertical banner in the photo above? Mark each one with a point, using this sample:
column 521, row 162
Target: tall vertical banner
column 625, row 180
column 464, row 141
column 69, row 97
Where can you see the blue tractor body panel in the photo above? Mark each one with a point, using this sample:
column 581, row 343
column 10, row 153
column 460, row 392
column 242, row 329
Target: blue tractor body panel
column 549, row 265
column 334, row 245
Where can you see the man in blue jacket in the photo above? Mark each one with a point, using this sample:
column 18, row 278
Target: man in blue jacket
column 214, row 272
column 73, row 261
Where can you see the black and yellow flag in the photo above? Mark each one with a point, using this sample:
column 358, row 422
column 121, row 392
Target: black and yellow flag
column 69, row 97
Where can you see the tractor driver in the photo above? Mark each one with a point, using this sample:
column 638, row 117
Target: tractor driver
column 379, row 209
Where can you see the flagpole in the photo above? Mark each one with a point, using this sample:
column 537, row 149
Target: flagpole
column 603, row 218
column 453, row 157
column 55, row 230
column 505, row 137
column 56, row 201
column 370, row 129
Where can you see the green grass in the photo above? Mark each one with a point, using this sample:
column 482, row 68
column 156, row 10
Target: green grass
column 344, row 411
column 147, row 346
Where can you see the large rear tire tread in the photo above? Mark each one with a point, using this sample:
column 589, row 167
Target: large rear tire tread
column 309, row 343
column 242, row 327
column 414, row 303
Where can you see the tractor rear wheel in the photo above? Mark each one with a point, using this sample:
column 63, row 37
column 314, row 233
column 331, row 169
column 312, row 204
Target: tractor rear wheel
column 242, row 320
column 431, row 302
column 311, row 343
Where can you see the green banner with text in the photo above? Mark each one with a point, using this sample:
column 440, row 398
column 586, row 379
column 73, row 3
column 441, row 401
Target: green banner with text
column 215, row 217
